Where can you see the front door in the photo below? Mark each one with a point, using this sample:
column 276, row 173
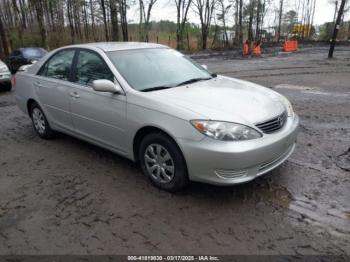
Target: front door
column 100, row 116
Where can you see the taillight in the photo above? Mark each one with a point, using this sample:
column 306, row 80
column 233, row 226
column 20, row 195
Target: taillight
column 13, row 81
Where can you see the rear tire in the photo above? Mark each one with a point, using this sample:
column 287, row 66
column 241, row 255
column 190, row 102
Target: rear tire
column 163, row 163
column 40, row 123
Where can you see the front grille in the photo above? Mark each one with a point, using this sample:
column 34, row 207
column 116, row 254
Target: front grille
column 273, row 124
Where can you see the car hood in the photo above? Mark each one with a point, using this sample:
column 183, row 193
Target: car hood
column 225, row 99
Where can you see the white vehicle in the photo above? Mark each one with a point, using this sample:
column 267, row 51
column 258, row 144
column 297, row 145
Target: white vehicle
column 5, row 77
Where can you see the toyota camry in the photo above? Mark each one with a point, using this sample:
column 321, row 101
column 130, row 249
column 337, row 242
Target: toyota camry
column 157, row 107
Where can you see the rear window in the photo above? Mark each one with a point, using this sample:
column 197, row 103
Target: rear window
column 34, row 52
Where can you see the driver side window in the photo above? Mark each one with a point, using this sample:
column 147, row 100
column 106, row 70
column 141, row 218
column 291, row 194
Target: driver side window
column 91, row 67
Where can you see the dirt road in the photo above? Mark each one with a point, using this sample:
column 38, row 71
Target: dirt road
column 68, row 197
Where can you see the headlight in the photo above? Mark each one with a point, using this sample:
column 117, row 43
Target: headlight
column 288, row 105
column 225, row 131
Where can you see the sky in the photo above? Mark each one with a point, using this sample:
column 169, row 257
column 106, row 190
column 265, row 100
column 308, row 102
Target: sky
column 165, row 10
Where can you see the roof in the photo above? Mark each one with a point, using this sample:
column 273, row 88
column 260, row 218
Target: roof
column 115, row 46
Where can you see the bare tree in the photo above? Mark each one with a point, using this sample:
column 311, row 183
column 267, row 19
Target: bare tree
column 335, row 10
column 280, row 13
column 222, row 17
column 236, row 21
column 3, row 37
column 251, row 9
column 17, row 19
column 104, row 14
column 205, row 9
column 312, row 16
column 240, row 21
column 145, row 16
column 258, row 16
column 70, row 20
column 182, row 7
column 92, row 19
column 123, row 19
column 40, row 19
column 85, row 20
column 262, row 17
column 114, row 20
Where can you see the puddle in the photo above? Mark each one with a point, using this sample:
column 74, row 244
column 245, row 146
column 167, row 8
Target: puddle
column 277, row 195
column 325, row 93
column 295, row 87
column 334, row 220
column 311, row 90
column 6, row 103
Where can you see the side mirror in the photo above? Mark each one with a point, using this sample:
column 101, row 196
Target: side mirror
column 104, row 85
column 24, row 67
column 205, row 67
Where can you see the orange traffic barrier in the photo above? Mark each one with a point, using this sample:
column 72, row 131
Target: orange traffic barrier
column 257, row 50
column 290, row 46
column 245, row 49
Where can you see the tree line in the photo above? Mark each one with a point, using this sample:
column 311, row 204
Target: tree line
column 53, row 23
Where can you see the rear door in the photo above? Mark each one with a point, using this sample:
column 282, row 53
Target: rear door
column 53, row 87
column 100, row 116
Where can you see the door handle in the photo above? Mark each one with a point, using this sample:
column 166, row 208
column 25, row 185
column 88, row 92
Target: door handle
column 38, row 84
column 74, row 94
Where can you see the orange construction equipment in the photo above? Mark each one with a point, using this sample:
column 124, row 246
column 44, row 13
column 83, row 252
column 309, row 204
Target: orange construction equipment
column 245, row 49
column 290, row 46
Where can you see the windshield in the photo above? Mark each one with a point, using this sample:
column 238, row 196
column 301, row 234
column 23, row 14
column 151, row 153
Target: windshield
column 33, row 52
column 162, row 67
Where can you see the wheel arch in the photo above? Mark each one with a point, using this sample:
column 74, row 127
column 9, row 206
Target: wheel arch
column 144, row 131
column 30, row 102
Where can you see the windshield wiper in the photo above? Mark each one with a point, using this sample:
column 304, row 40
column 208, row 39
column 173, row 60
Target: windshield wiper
column 190, row 81
column 150, row 89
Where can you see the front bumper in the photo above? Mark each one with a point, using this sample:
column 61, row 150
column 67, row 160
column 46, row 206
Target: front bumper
column 5, row 77
column 226, row 163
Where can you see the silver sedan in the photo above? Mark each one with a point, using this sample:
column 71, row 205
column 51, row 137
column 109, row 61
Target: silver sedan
column 155, row 106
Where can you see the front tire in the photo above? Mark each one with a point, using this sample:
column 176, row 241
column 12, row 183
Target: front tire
column 163, row 163
column 40, row 123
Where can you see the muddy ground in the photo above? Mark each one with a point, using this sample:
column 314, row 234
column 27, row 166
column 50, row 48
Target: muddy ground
column 68, row 197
